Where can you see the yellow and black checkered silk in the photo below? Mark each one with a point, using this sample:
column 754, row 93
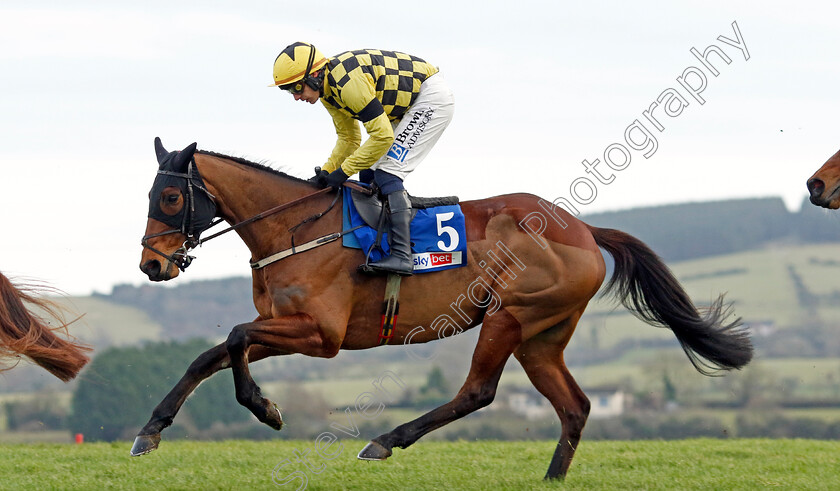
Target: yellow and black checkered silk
column 394, row 78
column 375, row 87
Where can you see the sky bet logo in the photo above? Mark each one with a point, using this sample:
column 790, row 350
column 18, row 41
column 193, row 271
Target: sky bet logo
column 430, row 260
column 397, row 152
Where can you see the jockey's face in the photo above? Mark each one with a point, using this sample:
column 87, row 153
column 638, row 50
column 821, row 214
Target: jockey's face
column 309, row 95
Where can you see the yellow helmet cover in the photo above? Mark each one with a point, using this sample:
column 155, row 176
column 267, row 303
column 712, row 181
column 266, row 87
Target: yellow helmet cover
column 296, row 62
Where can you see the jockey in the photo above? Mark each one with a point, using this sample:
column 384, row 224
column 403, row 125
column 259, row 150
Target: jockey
column 404, row 105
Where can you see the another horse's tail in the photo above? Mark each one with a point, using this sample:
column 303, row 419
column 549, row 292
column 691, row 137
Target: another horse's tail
column 646, row 286
column 22, row 333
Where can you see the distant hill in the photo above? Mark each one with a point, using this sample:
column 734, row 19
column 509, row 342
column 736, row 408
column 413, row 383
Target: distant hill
column 107, row 323
column 199, row 309
column 789, row 295
column 694, row 230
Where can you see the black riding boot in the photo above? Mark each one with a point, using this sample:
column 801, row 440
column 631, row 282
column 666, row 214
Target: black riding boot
column 400, row 261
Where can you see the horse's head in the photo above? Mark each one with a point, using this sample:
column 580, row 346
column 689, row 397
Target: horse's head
column 180, row 208
column 824, row 185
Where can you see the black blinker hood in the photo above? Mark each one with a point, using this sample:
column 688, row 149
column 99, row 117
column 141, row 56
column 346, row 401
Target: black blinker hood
column 177, row 169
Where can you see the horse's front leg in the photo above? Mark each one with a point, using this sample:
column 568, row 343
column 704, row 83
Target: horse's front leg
column 298, row 333
column 208, row 363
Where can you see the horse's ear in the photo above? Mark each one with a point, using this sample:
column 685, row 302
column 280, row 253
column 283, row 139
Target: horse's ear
column 190, row 149
column 159, row 150
column 183, row 157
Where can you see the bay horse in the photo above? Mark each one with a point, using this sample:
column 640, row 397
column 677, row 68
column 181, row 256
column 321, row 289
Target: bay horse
column 531, row 270
column 824, row 185
column 23, row 333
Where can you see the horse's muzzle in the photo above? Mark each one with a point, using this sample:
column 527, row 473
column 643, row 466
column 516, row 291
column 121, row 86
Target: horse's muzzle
column 817, row 193
column 815, row 189
column 152, row 268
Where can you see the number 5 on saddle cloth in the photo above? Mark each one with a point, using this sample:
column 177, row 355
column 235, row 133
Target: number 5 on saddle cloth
column 438, row 234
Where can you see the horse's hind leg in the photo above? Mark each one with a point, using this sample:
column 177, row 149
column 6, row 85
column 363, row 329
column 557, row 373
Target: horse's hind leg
column 500, row 334
column 542, row 359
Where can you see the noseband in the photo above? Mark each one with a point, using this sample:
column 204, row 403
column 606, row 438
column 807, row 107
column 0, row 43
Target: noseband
column 180, row 257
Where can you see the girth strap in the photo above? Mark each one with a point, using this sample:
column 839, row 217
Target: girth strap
column 390, row 309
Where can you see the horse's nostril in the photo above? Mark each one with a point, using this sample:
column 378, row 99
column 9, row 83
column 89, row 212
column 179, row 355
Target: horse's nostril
column 816, row 187
column 151, row 268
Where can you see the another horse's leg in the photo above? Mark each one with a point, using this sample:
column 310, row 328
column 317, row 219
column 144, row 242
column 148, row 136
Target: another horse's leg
column 500, row 335
column 296, row 333
column 542, row 359
column 208, row 363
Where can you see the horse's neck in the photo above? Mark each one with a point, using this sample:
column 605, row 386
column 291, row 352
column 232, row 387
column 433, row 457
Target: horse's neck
column 242, row 191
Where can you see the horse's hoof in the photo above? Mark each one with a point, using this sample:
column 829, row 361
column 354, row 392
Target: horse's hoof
column 144, row 444
column 374, row 451
column 273, row 418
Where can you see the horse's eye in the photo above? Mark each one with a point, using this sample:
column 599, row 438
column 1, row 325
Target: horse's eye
column 172, row 199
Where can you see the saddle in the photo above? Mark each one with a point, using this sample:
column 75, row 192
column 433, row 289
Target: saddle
column 438, row 228
column 370, row 206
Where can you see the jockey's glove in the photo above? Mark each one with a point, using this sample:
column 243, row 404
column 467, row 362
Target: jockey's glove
column 336, row 178
column 320, row 178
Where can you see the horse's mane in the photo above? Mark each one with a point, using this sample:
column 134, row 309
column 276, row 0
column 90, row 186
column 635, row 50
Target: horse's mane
column 254, row 165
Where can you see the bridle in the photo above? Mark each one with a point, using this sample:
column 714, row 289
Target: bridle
column 181, row 257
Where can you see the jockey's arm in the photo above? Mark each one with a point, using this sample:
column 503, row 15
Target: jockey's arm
column 359, row 96
column 349, row 137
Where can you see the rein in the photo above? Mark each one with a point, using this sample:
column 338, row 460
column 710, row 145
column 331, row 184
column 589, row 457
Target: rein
column 279, row 208
column 272, row 211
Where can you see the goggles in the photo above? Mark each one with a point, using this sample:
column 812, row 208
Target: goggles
column 295, row 88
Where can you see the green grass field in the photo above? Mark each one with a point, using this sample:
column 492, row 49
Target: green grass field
column 685, row 464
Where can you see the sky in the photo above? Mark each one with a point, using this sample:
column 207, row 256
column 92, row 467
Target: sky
column 540, row 87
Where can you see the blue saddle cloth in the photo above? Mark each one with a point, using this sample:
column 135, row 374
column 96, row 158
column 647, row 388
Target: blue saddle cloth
column 438, row 236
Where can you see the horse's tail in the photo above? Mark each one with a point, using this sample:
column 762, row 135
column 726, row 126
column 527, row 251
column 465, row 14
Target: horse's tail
column 22, row 333
column 646, row 286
